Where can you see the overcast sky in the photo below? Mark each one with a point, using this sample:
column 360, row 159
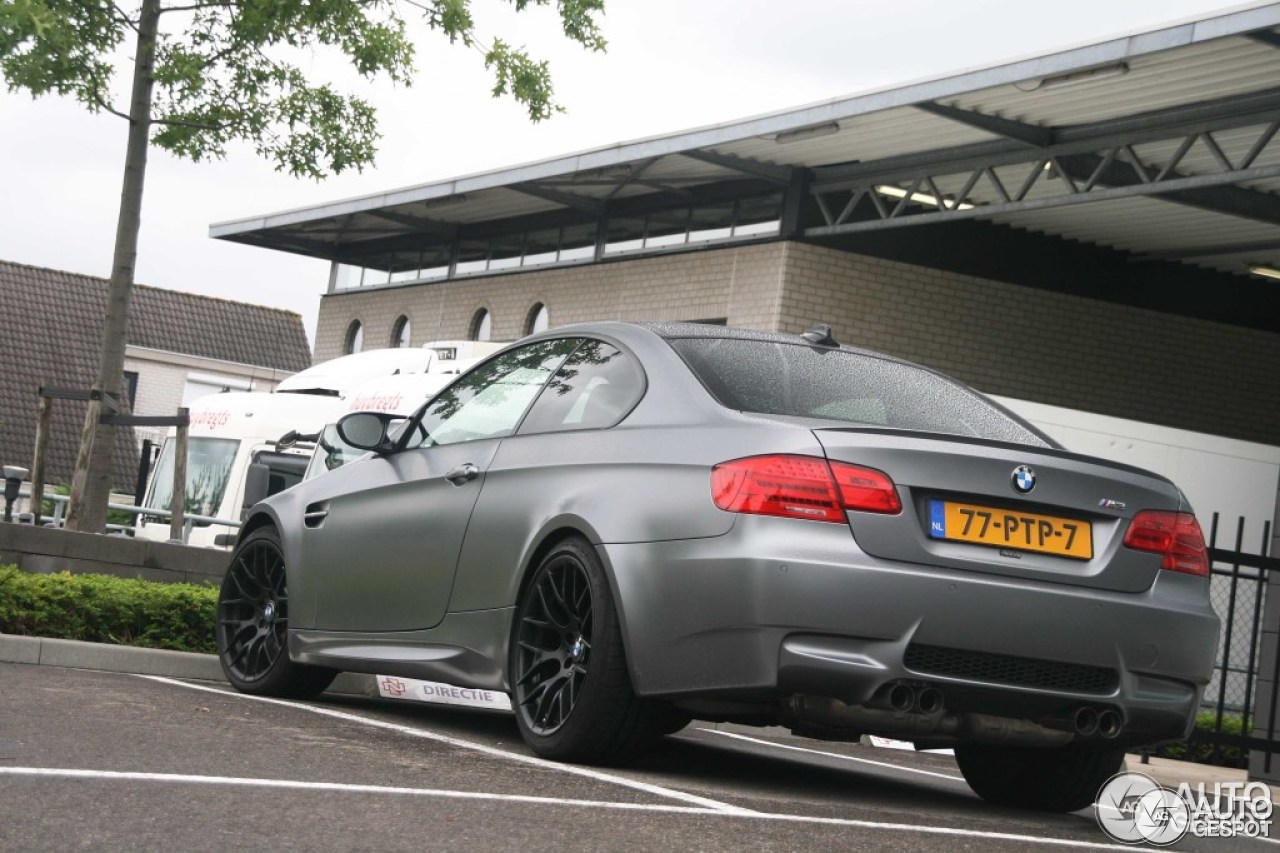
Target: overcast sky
column 671, row 65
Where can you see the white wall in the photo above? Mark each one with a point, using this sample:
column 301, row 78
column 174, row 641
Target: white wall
column 1223, row 475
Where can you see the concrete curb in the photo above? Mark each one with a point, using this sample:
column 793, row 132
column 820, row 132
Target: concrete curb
column 76, row 654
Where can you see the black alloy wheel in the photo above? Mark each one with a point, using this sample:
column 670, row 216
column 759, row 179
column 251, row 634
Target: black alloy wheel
column 567, row 666
column 253, row 622
column 553, row 640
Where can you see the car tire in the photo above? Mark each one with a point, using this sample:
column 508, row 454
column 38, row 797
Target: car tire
column 253, row 620
column 1063, row 779
column 570, row 688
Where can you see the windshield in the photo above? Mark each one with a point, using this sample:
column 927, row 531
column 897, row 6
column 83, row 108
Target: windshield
column 209, row 463
column 775, row 378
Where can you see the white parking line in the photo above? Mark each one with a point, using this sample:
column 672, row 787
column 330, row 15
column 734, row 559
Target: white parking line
column 571, row 769
column 947, row 776
column 338, row 787
column 735, row 814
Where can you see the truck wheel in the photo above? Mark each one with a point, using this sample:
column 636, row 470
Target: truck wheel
column 568, row 673
column 1055, row 780
column 253, row 621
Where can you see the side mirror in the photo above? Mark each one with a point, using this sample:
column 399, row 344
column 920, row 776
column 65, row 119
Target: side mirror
column 257, row 484
column 367, row 430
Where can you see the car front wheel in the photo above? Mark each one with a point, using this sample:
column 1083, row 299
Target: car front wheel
column 1057, row 780
column 568, row 672
column 253, row 622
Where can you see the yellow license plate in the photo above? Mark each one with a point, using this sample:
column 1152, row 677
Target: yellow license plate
column 1003, row 528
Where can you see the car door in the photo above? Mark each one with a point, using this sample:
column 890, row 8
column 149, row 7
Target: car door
column 384, row 549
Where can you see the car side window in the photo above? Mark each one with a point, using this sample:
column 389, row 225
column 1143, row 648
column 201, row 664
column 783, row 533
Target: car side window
column 593, row 389
column 489, row 401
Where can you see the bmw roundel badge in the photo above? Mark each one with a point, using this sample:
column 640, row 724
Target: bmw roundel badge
column 1024, row 478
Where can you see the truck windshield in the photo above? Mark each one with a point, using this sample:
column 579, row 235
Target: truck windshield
column 208, row 469
column 331, row 452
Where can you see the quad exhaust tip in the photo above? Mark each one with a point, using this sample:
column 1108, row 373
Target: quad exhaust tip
column 1086, row 721
column 1109, row 724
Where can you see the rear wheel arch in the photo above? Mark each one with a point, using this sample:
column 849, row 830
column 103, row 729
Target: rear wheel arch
column 553, row 535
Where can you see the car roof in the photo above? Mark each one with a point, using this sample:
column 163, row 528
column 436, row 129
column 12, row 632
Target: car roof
column 675, row 331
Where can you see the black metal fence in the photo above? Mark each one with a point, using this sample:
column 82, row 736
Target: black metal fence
column 1239, row 713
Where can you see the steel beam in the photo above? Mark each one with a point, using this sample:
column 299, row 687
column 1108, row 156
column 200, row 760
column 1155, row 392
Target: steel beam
column 1027, row 134
column 420, row 225
column 1226, row 199
column 1216, row 114
column 751, row 168
column 1065, row 200
column 1270, row 37
column 570, row 200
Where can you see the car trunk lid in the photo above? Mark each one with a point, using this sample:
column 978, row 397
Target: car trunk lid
column 1004, row 509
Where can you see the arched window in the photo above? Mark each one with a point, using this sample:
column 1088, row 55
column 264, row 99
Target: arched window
column 400, row 332
column 481, row 325
column 538, row 320
column 355, row 338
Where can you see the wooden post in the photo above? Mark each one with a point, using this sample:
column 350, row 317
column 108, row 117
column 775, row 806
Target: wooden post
column 36, row 503
column 179, row 503
column 79, row 480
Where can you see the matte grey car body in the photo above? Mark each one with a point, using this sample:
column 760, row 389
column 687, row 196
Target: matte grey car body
column 413, row 560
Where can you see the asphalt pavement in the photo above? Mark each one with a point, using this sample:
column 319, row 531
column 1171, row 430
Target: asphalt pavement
column 101, row 760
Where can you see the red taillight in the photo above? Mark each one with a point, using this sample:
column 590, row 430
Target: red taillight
column 800, row 487
column 1176, row 535
column 866, row 489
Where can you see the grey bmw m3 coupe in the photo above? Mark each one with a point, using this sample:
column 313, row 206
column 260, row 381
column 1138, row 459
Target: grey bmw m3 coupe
column 628, row 526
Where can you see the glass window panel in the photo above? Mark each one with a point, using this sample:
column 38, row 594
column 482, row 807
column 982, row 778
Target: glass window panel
column 758, row 216
column 355, row 337
column 777, row 378
column 400, row 332
column 404, row 265
column 347, row 277
column 624, row 235
column 667, row 228
column 595, row 388
column 540, row 247
column 375, row 276
column 435, row 261
column 488, row 402
column 505, row 251
column 208, row 470
column 539, row 320
column 578, row 242
column 714, row 222
column 481, row 325
column 473, row 256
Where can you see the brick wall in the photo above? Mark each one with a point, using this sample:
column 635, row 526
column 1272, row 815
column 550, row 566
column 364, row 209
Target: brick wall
column 1001, row 338
column 1043, row 346
column 738, row 283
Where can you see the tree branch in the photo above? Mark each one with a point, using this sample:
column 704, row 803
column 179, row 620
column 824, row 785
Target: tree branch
column 196, row 7
column 124, row 17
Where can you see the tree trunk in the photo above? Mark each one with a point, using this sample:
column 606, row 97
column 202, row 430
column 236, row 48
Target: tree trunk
column 91, row 485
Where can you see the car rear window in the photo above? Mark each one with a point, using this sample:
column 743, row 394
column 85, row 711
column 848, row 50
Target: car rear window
column 776, row 378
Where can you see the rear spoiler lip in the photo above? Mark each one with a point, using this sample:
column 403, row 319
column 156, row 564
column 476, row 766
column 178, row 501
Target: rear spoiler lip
column 1057, row 453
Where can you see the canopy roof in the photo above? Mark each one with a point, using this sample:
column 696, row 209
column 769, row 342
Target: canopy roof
column 1160, row 144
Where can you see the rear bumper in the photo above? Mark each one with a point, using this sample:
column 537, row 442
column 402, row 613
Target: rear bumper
column 779, row 607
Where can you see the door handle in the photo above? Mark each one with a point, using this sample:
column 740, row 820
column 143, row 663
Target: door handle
column 464, row 473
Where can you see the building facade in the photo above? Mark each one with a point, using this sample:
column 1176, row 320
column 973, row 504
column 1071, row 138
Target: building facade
column 180, row 346
column 1003, row 338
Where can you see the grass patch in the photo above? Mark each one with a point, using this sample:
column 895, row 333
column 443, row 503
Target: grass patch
column 1229, row 755
column 106, row 609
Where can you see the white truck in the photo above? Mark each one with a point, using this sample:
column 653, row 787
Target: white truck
column 244, row 446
